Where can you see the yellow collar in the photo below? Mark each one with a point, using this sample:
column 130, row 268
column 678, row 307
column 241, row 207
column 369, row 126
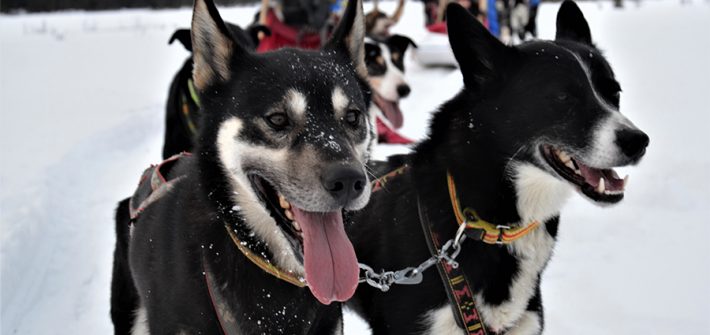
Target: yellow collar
column 265, row 264
column 480, row 229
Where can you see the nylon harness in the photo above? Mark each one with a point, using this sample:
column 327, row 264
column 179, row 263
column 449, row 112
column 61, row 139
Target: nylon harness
column 154, row 184
column 190, row 114
column 456, row 284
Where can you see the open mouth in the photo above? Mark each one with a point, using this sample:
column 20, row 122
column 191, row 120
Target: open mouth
column 280, row 210
column 319, row 242
column 601, row 185
column 390, row 109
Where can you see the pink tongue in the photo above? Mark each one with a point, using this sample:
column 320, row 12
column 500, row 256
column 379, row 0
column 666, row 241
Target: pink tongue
column 329, row 258
column 391, row 111
column 592, row 176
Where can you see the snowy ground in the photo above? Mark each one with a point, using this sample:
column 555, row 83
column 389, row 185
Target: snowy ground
column 81, row 115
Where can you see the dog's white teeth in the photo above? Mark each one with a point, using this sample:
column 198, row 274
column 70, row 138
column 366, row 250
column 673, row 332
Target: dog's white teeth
column 296, row 226
column 601, row 187
column 626, row 180
column 283, row 202
column 570, row 165
column 289, row 214
column 564, row 157
column 577, row 171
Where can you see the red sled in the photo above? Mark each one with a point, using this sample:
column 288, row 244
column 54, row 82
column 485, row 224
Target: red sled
column 283, row 35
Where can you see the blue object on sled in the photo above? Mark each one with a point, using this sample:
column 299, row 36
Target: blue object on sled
column 493, row 26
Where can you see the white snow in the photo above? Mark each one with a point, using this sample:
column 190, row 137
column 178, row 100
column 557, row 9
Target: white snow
column 81, row 115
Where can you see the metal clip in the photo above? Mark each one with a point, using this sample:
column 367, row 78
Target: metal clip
column 443, row 254
column 408, row 276
column 460, row 233
column 414, row 275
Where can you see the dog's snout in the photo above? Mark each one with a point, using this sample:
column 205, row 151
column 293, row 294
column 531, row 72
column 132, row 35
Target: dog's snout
column 403, row 90
column 632, row 142
column 344, row 182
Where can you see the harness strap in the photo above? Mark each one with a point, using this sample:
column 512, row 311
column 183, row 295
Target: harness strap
column 190, row 113
column 381, row 182
column 456, row 285
column 154, row 184
column 264, row 263
column 210, row 292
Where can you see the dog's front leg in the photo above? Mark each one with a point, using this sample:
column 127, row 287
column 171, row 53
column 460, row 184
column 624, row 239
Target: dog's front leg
column 532, row 321
column 529, row 324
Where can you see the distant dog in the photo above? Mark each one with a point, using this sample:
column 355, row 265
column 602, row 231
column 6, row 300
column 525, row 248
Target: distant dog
column 532, row 124
column 385, row 69
column 224, row 241
column 182, row 114
column 378, row 24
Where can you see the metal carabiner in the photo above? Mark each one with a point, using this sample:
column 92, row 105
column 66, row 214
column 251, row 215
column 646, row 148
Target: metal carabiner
column 408, row 276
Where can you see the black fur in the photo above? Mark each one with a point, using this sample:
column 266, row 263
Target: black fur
column 179, row 137
column 164, row 260
column 512, row 99
column 124, row 297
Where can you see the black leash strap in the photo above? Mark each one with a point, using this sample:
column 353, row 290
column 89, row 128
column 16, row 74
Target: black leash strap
column 456, row 285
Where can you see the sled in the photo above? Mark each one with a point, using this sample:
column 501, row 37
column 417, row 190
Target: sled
column 283, row 35
column 433, row 49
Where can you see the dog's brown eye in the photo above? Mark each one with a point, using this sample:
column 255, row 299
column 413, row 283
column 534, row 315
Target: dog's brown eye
column 278, row 121
column 352, row 117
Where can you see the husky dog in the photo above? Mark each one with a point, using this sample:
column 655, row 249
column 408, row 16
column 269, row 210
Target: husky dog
column 385, row 69
column 532, row 124
column 378, row 23
column 280, row 155
column 182, row 115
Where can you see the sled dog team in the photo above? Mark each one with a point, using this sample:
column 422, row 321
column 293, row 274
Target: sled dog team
column 278, row 218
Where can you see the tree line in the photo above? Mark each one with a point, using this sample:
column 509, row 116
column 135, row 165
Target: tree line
column 14, row 6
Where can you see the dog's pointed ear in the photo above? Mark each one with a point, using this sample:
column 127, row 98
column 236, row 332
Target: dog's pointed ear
column 182, row 35
column 571, row 24
column 349, row 36
column 480, row 55
column 254, row 31
column 401, row 42
column 213, row 47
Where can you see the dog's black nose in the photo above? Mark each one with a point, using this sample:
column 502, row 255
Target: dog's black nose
column 632, row 142
column 403, row 90
column 344, row 182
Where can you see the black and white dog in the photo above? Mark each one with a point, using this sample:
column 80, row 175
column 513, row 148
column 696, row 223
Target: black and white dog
column 182, row 113
column 385, row 69
column 281, row 153
column 532, row 124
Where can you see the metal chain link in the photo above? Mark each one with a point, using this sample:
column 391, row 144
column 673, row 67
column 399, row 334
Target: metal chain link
column 413, row 275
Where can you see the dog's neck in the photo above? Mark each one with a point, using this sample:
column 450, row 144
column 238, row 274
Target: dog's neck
column 220, row 195
column 501, row 191
column 479, row 186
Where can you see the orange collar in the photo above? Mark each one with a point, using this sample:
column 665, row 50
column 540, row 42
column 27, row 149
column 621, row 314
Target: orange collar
column 482, row 230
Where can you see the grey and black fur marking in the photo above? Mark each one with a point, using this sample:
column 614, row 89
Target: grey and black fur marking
column 164, row 259
column 488, row 137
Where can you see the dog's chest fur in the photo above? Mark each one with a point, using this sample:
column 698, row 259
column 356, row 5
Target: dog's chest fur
column 505, row 279
column 532, row 253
